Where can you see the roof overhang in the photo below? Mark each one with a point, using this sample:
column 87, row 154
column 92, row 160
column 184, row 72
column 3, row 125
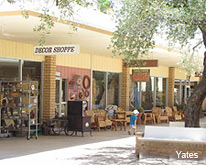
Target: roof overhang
column 92, row 40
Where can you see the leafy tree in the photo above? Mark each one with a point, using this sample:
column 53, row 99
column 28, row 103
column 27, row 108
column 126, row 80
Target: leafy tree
column 105, row 5
column 139, row 21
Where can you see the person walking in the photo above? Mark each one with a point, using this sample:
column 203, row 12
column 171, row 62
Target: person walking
column 133, row 122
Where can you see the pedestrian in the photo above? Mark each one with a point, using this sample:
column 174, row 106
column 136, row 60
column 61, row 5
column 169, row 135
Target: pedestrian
column 133, row 121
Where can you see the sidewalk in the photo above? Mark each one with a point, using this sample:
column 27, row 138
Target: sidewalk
column 19, row 146
column 104, row 148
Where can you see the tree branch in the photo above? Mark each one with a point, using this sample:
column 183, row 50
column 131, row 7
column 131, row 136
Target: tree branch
column 197, row 45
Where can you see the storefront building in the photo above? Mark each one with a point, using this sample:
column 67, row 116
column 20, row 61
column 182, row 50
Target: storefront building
column 93, row 75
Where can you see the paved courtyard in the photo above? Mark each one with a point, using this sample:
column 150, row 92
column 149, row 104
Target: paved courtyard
column 104, row 148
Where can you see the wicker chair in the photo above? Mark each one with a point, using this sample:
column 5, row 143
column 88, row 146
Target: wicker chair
column 159, row 116
column 93, row 122
column 177, row 115
column 102, row 120
column 169, row 113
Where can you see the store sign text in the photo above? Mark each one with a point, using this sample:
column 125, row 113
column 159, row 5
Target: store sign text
column 142, row 75
column 57, row 50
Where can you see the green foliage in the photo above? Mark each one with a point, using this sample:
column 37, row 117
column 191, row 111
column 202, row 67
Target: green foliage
column 191, row 63
column 105, row 5
column 140, row 20
column 11, row 1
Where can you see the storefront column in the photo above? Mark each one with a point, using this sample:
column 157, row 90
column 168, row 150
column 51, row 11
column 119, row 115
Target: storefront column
column 125, row 85
column 171, row 85
column 49, row 87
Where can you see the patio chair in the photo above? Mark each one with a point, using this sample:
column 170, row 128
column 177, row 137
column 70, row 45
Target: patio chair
column 149, row 116
column 159, row 115
column 169, row 113
column 101, row 122
column 102, row 119
column 177, row 114
column 93, row 122
column 121, row 118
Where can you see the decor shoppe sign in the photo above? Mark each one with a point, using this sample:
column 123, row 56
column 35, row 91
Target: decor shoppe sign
column 142, row 75
column 57, row 50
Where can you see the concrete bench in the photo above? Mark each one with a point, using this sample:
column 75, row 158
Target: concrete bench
column 182, row 124
column 172, row 142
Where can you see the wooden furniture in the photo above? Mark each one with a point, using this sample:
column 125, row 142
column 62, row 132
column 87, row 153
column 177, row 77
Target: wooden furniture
column 149, row 116
column 93, row 122
column 101, row 119
column 177, row 114
column 169, row 113
column 166, row 141
column 159, row 115
column 101, row 122
column 120, row 117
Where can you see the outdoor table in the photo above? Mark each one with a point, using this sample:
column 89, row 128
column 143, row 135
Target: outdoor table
column 122, row 122
column 120, row 117
column 148, row 115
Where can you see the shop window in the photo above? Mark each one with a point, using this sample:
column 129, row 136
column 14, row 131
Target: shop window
column 9, row 69
column 98, row 90
column 147, row 94
column 31, row 71
column 61, row 97
column 161, row 85
column 133, row 95
column 113, row 89
column 177, row 94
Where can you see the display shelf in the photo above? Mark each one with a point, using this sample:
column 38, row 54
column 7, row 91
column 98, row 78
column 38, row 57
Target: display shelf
column 19, row 107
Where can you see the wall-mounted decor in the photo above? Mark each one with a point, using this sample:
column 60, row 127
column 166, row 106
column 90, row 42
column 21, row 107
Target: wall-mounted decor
column 75, row 83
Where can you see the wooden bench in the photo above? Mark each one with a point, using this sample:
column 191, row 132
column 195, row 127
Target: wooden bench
column 171, row 142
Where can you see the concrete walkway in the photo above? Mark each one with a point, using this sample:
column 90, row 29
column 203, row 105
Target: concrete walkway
column 105, row 147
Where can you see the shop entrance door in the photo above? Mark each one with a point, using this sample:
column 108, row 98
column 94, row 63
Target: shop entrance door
column 61, row 97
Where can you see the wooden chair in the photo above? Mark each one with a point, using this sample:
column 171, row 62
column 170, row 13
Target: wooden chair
column 101, row 122
column 119, row 109
column 159, row 115
column 149, row 117
column 101, row 119
column 169, row 113
column 120, row 117
column 177, row 115
column 93, row 122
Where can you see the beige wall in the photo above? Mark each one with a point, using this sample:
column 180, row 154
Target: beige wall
column 108, row 64
column 181, row 74
column 99, row 63
column 77, row 61
column 18, row 50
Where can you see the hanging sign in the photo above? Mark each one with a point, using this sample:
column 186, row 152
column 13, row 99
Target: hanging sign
column 142, row 63
column 142, row 75
column 57, row 50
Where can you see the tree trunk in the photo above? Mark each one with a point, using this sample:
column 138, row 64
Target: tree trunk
column 195, row 101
